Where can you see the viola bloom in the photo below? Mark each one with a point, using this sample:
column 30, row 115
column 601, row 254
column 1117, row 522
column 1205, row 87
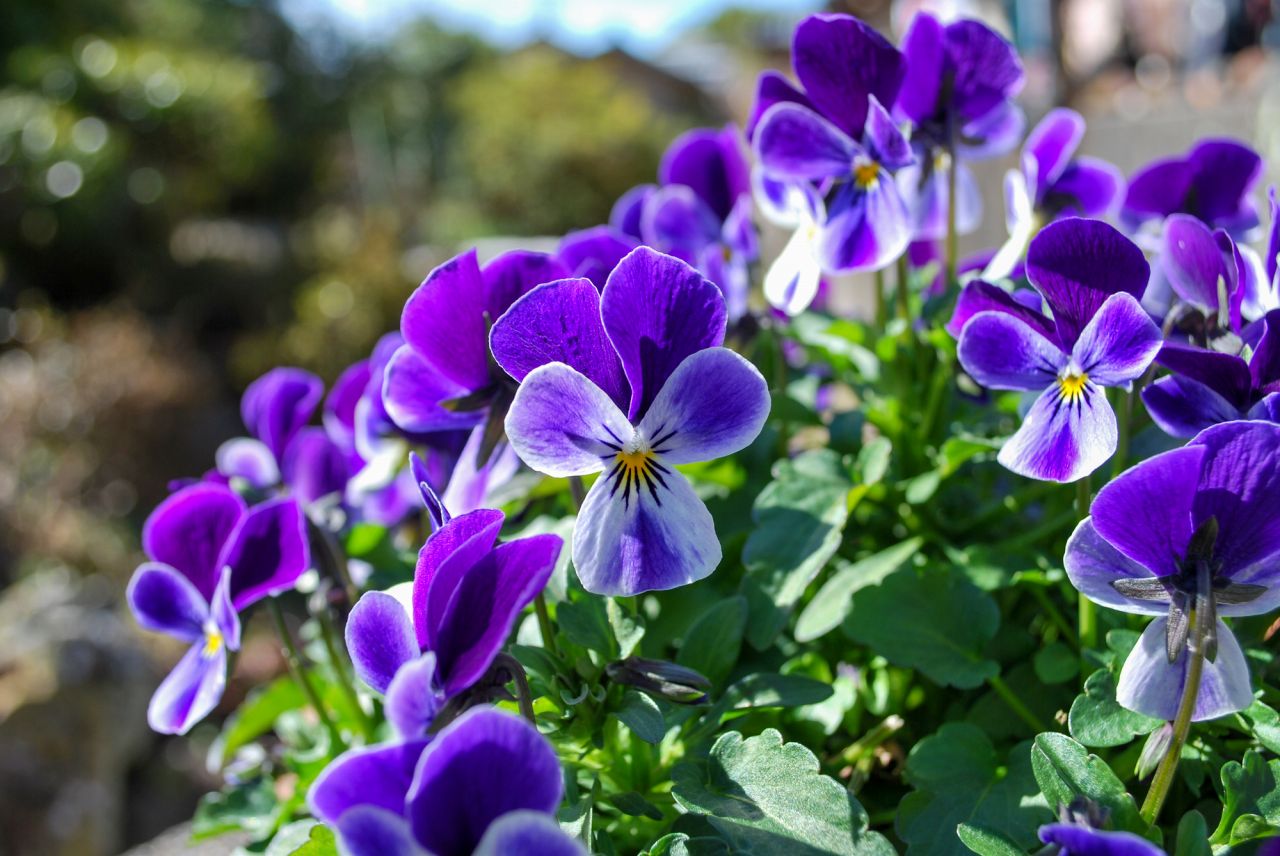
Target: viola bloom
column 1193, row 527
column 487, row 784
column 1208, row 387
column 958, row 93
column 1080, row 832
column 1214, row 182
column 210, row 556
column 1090, row 275
column 629, row 382
column 594, row 252
column 1052, row 183
column 467, row 592
column 441, row 377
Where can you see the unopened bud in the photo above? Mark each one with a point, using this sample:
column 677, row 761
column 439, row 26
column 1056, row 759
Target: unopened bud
column 660, row 678
column 1153, row 752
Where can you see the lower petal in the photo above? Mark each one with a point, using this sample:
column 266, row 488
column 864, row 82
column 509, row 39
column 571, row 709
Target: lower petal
column 1062, row 441
column 1183, row 407
column 1000, row 350
column 369, row 831
column 412, row 702
column 190, row 691
column 1093, row 565
column 1239, row 485
column 869, row 233
column 1118, row 343
column 267, row 552
column 791, row 282
column 412, row 391
column 469, row 485
column 629, row 540
column 380, row 639
column 527, row 832
column 249, row 459
column 1079, row 840
column 1151, row 685
column 562, row 424
column 372, row 776
column 165, row 601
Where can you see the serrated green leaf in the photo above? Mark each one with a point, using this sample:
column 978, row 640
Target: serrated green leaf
column 627, row 627
column 1264, row 722
column 255, row 717
column 873, row 460
column 1251, row 787
column 1097, row 719
column 834, row 600
column 630, row 802
column 712, row 644
column 933, row 620
column 987, row 842
column 643, row 716
column 681, row 844
column 761, row 795
column 1065, row 770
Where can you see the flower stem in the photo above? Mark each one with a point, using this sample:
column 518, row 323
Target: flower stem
column 345, row 680
column 1125, row 420
column 1056, row 618
column 1015, row 704
column 545, row 628
column 293, row 661
column 904, row 290
column 577, row 491
column 1163, row 779
column 881, row 313
column 1087, row 618
column 952, row 236
column 524, row 695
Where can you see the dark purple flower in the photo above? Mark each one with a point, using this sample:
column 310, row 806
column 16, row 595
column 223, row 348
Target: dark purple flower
column 1099, row 336
column 593, row 253
column 210, row 556
column 467, row 592
column 1208, row 387
column 630, row 381
column 1195, row 524
column 440, row 378
column 487, row 784
column 1050, row 184
column 1073, row 839
column 958, row 93
column 1214, row 183
column 275, row 408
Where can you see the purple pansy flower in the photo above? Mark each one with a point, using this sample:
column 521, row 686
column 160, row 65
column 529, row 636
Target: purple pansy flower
column 1099, row 336
column 1052, row 183
column 594, row 252
column 1081, row 831
column 487, row 784
column 1214, row 183
column 467, row 592
column 838, row 142
column 630, row 381
column 958, row 93
column 1193, row 526
column 441, row 377
column 1208, row 387
column 210, row 557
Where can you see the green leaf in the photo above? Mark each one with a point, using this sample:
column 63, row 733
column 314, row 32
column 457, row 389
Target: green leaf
column 1066, row 770
column 627, row 627
column 1056, row 664
column 1249, row 788
column 1098, row 720
column 643, row 716
column 680, row 844
column 585, row 622
column 799, row 522
column 630, row 802
column 834, row 601
column 255, row 716
column 303, row 838
column 249, row 807
column 873, row 460
column 765, row 689
column 933, row 620
column 1264, row 722
column 712, row 644
column 987, row 842
column 921, row 489
column 958, row 779
column 364, row 538
column 1193, row 836
column 761, row 795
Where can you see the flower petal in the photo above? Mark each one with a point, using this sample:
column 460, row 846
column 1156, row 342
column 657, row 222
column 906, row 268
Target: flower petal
column 190, row 691
column 1239, row 485
column 485, row 604
column 511, row 275
column 772, row 88
column 865, row 229
column 794, row 142
column 465, row 779
column 1079, row 840
column 978, row 296
column 926, row 198
column 678, row 222
column 443, row 321
column 411, row 698
column 925, row 54
column 277, row 404
column 594, row 253
column 249, row 459
column 374, row 776
column 380, row 639
column 1093, row 565
column 657, row 310
column 1157, row 190
column 711, row 163
column 985, row 68
column 630, row 539
column 1183, row 407
column 528, row 832
column 1002, row 351
column 714, row 404
column 1077, row 264
column 1088, row 187
column 314, row 466
column 340, row 404
column 412, row 392
column 841, row 61
column 1226, row 172
column 164, row 600
column 1151, row 685
column 443, row 561
column 1063, row 441
column 791, row 283
column 562, row 424
column 188, row 530
column 469, row 486
column 993, row 134
column 1226, row 374
column 267, row 552
column 1192, row 261
column 888, row 145
column 1118, row 343
column 368, row 831
column 1264, row 365
column 1051, row 144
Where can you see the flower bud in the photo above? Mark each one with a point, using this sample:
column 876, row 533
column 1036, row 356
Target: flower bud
column 660, row 678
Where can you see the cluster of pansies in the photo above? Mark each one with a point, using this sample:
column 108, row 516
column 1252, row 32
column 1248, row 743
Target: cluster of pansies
column 536, row 681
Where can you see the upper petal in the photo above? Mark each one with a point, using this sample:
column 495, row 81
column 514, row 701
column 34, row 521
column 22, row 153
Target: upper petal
column 888, row 145
column 443, row 560
column 841, row 61
column 528, row 832
column 1118, row 343
column 1093, row 564
column 711, row 163
column 267, row 551
column 443, row 321
column 1192, row 262
column 164, row 600
column 985, row 68
column 593, row 253
column 1239, row 485
column 1225, row 172
column 978, row 296
column 925, row 56
column 190, row 691
column 1077, row 264
column 657, row 310
column 187, row 531
column 1183, row 407
column 277, row 404
column 795, row 142
column 512, row 274
column 714, row 404
column 1063, row 440
column 1158, row 189
column 380, row 639
column 377, row 776
column 314, row 466
column 677, row 220
column 1151, row 685
column 1002, row 351
column 562, row 424
column 249, row 459
column 340, row 404
column 772, row 88
column 1051, row 144
column 468, row 777
column 413, row 391
column 1088, row 187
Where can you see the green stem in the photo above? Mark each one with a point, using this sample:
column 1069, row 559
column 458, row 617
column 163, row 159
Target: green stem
column 524, row 695
column 293, row 661
column 1087, row 622
column 337, row 560
column 952, row 236
column 939, row 383
column 1015, row 704
column 1163, row 779
column 873, row 738
column 545, row 628
column 1055, row 615
column 881, row 310
column 904, row 290
column 1125, row 420
column 345, row 679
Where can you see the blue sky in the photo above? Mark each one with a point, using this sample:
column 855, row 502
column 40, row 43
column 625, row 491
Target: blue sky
column 584, row 26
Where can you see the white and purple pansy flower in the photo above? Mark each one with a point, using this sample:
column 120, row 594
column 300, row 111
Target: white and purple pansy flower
column 1099, row 336
column 630, row 382
column 487, row 785
column 1193, row 529
column 210, row 556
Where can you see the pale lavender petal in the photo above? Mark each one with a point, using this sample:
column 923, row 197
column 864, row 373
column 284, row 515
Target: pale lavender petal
column 993, row 134
column 529, row 832
column 1145, row 512
column 412, row 698
column 249, row 459
column 267, row 552
column 1093, row 565
column 1119, row 342
column 1151, row 685
column 442, row 562
column 164, row 600
column 369, row 831
column 1051, row 144
column 841, row 61
column 511, row 275
column 373, row 776
column 1239, row 486
column 772, row 88
column 888, row 145
column 380, row 639
column 226, row 621
column 1063, row 440
column 443, row 322
column 188, row 530
column 714, row 404
column 191, row 691
column 413, row 390
column 926, row 199
column 469, row 486
column 562, row 424
column 464, row 780
column 794, row 142
column 277, row 404
column 631, row 538
column 677, row 221
column 1183, row 407
column 1001, row 351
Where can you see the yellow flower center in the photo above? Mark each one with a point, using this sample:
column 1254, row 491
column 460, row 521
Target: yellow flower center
column 866, row 174
column 1072, row 386
column 636, row 468
column 213, row 641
